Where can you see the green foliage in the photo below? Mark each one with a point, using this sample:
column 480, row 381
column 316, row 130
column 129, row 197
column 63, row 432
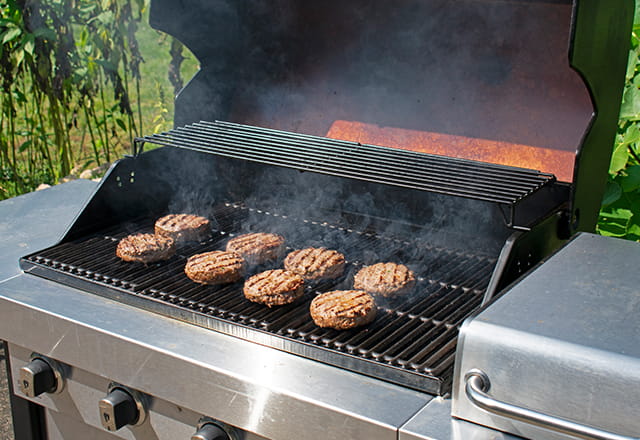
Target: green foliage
column 66, row 70
column 620, row 213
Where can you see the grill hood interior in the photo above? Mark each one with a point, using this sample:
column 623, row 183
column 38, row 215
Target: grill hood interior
column 515, row 82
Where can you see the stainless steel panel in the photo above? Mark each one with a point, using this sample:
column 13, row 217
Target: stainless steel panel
column 36, row 220
column 261, row 390
column 565, row 341
column 434, row 422
column 74, row 411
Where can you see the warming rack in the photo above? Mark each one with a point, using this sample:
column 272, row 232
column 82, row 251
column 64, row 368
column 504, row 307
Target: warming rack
column 504, row 185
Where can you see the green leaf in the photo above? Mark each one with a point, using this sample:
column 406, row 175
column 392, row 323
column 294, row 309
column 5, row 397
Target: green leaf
column 24, row 146
column 633, row 231
column 619, row 158
column 107, row 65
column 18, row 57
column 615, row 222
column 11, row 34
column 28, row 44
column 120, row 123
column 612, row 193
column 630, row 181
column 631, row 134
column 630, row 109
column 46, row 33
column 105, row 17
column 631, row 64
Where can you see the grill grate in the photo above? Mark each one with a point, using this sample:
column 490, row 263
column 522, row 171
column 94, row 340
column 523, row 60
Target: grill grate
column 407, row 169
column 412, row 340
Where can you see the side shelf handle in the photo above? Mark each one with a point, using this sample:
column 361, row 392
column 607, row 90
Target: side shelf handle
column 477, row 385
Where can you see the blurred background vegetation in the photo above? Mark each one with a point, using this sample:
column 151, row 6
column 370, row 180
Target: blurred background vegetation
column 620, row 213
column 81, row 78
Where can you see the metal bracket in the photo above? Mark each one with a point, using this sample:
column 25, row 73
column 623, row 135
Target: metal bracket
column 137, row 147
column 509, row 219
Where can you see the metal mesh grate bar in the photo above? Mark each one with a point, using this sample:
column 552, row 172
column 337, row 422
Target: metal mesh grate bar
column 407, row 169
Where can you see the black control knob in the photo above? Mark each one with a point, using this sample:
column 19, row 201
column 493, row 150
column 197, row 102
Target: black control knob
column 37, row 377
column 210, row 431
column 118, row 409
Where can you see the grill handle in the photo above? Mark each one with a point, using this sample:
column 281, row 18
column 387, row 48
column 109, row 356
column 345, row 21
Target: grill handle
column 477, row 385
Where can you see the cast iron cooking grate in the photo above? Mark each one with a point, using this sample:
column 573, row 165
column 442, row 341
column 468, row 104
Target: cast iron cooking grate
column 411, row 342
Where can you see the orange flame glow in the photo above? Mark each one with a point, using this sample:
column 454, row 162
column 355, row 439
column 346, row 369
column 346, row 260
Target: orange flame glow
column 547, row 160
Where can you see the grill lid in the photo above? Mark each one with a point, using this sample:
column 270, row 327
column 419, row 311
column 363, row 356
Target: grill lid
column 512, row 82
column 484, row 80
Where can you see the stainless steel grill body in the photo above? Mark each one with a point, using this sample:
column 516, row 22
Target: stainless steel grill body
column 563, row 343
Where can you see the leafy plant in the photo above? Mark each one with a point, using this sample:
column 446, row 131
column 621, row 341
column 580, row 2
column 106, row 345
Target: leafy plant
column 620, row 213
column 67, row 68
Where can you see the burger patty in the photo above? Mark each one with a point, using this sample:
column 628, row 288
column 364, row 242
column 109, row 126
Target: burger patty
column 145, row 248
column 183, row 227
column 315, row 263
column 258, row 247
column 215, row 267
column 343, row 309
column 274, row 287
column 385, row 279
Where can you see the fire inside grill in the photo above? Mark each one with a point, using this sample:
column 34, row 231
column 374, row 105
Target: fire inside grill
column 262, row 180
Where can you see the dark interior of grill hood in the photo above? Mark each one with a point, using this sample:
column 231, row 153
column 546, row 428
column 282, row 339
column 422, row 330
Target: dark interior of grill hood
column 445, row 218
column 483, row 80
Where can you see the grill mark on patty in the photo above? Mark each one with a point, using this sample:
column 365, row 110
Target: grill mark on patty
column 145, row 248
column 183, row 227
column 314, row 263
column 278, row 281
column 274, row 287
column 221, row 262
column 386, row 279
column 257, row 247
column 337, row 298
column 343, row 309
column 215, row 267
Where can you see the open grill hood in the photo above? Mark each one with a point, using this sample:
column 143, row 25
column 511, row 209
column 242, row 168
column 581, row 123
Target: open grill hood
column 525, row 83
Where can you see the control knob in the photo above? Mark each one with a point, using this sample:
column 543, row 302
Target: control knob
column 41, row 375
column 121, row 407
column 210, row 431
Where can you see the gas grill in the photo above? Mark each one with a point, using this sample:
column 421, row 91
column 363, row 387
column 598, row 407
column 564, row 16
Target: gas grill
column 384, row 166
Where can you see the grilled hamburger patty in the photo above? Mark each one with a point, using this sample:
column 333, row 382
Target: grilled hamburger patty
column 145, row 248
column 274, row 287
column 386, row 279
column 343, row 309
column 183, row 227
column 257, row 247
column 315, row 263
column 215, row 267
